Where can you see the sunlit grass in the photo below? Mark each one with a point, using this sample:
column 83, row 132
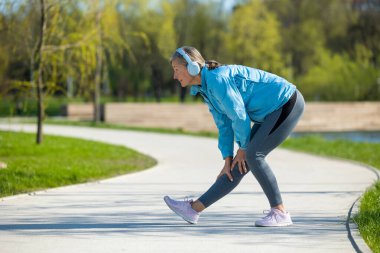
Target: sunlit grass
column 368, row 219
column 61, row 161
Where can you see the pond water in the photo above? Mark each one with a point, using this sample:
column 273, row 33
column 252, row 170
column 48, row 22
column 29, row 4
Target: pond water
column 357, row 136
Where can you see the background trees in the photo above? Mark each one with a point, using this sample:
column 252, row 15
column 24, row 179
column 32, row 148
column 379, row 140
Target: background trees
column 119, row 49
column 254, row 38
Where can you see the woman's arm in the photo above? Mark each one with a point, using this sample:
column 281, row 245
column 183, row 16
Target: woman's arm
column 225, row 133
column 232, row 103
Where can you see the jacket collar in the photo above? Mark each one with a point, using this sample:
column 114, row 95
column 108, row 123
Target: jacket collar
column 195, row 89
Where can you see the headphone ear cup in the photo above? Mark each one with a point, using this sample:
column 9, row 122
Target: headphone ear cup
column 193, row 68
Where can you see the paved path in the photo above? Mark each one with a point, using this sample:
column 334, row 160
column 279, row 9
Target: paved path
column 127, row 213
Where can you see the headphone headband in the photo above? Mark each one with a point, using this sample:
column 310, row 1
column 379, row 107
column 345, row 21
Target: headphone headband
column 184, row 55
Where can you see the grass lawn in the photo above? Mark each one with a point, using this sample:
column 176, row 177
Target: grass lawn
column 61, row 161
column 368, row 218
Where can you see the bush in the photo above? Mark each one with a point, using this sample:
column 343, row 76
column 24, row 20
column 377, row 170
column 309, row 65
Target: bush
column 28, row 107
column 339, row 78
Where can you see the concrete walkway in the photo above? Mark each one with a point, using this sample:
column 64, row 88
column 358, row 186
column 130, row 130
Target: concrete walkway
column 127, row 213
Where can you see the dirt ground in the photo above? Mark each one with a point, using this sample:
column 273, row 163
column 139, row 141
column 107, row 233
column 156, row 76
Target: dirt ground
column 337, row 116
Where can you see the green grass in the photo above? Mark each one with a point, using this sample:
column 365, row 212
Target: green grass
column 368, row 218
column 363, row 152
column 61, row 161
column 103, row 125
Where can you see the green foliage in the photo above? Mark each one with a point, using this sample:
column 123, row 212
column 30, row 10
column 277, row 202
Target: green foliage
column 255, row 41
column 320, row 45
column 61, row 161
column 27, row 106
column 368, row 218
column 4, row 61
column 339, row 78
column 166, row 35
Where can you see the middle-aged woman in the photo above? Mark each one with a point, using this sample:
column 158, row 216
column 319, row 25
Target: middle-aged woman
column 237, row 96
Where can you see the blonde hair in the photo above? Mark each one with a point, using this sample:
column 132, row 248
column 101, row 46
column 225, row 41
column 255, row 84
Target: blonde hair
column 194, row 56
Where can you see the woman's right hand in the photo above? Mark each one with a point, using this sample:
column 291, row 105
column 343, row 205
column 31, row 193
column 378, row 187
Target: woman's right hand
column 226, row 169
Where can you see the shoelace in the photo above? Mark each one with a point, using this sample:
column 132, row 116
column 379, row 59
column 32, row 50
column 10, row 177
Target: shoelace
column 269, row 214
column 188, row 199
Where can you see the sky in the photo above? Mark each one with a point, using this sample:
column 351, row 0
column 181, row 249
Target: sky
column 227, row 4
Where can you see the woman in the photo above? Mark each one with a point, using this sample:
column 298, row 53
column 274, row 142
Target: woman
column 236, row 96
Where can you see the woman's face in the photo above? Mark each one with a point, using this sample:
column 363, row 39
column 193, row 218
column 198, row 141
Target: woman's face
column 182, row 75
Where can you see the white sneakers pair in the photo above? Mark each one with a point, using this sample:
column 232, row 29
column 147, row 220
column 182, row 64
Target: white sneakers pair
column 273, row 218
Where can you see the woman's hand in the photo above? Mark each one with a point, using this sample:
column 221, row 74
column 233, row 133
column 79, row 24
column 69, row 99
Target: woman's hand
column 240, row 161
column 226, row 169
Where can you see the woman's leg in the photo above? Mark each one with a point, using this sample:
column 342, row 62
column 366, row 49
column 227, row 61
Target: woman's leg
column 190, row 210
column 276, row 127
column 218, row 190
column 222, row 185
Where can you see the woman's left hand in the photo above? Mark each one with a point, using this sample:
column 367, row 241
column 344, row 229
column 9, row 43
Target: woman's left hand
column 239, row 159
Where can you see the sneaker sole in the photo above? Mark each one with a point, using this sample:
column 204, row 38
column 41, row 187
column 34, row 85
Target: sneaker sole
column 277, row 225
column 179, row 214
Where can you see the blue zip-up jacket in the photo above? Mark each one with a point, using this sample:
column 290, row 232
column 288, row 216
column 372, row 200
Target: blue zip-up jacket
column 237, row 95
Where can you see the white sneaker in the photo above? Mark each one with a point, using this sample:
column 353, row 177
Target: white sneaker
column 183, row 208
column 274, row 218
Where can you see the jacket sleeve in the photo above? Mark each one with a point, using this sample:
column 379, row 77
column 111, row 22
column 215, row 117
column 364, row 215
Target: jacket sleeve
column 232, row 103
column 225, row 135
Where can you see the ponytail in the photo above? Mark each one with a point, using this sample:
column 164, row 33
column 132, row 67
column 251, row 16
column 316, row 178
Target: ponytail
column 211, row 64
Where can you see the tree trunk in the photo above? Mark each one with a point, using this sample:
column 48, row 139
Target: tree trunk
column 157, row 81
column 98, row 73
column 37, row 55
column 182, row 96
column 41, row 109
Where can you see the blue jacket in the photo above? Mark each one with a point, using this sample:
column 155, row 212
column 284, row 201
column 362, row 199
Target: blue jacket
column 237, row 95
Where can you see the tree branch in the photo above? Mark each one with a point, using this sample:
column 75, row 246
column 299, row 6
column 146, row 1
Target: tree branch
column 52, row 48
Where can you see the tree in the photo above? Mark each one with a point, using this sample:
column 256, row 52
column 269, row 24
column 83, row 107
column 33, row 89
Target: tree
column 99, row 63
column 17, row 43
column 201, row 25
column 338, row 77
column 157, row 25
column 38, row 60
column 254, row 38
column 365, row 29
column 308, row 26
column 48, row 55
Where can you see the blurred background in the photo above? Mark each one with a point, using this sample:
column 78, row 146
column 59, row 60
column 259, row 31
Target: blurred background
column 105, row 51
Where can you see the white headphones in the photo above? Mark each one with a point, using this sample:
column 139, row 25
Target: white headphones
column 192, row 66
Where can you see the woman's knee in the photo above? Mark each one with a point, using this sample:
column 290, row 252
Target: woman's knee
column 255, row 158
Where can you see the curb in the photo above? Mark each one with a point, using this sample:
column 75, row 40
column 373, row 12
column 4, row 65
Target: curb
column 353, row 234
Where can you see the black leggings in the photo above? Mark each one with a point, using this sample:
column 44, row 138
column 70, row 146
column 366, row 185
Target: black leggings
column 265, row 137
